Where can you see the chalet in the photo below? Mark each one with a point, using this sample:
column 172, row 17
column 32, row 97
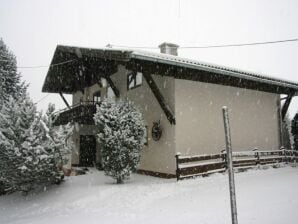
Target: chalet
column 181, row 100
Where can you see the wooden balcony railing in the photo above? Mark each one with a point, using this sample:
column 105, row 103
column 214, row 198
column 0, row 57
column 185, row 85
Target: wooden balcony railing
column 81, row 113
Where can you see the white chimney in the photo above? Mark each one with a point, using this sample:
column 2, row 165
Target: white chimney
column 169, row 48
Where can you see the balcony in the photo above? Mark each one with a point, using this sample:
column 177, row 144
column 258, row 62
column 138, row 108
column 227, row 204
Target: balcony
column 81, row 113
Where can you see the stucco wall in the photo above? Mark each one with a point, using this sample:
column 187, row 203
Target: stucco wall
column 199, row 129
column 157, row 156
column 199, row 124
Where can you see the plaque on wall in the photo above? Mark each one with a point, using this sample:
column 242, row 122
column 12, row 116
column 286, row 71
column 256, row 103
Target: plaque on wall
column 156, row 131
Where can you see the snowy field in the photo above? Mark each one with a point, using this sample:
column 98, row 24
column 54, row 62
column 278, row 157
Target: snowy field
column 263, row 196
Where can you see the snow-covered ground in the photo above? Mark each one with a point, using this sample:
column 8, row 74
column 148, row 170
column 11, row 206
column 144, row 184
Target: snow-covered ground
column 263, row 196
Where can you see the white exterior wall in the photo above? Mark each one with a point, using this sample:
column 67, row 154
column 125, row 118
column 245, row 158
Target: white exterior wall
column 158, row 156
column 199, row 124
column 253, row 116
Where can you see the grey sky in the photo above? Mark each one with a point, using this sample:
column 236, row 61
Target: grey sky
column 33, row 28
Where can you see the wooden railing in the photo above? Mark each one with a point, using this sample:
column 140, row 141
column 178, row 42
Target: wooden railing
column 190, row 166
column 82, row 113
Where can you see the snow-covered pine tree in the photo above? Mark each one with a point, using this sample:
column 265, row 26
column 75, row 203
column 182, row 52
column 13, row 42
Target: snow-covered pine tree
column 10, row 86
column 287, row 137
column 61, row 135
column 10, row 79
column 16, row 118
column 29, row 149
column 28, row 156
column 45, row 151
column 121, row 130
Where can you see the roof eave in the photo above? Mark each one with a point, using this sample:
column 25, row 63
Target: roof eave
column 220, row 71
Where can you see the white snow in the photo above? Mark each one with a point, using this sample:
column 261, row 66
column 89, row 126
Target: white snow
column 263, row 196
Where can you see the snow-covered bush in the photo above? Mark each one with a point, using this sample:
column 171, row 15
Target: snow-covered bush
column 121, row 131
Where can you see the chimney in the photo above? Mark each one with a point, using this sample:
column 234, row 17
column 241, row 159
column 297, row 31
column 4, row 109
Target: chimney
column 169, row 48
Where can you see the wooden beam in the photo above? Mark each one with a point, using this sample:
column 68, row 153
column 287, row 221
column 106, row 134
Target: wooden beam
column 64, row 100
column 286, row 105
column 161, row 100
column 112, row 85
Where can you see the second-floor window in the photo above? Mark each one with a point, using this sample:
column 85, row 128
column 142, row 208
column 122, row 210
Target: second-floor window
column 134, row 80
column 96, row 96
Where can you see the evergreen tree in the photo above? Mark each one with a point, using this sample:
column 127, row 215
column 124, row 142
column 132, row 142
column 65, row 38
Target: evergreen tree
column 28, row 156
column 61, row 135
column 31, row 149
column 287, row 136
column 10, row 86
column 16, row 118
column 122, row 133
column 10, row 79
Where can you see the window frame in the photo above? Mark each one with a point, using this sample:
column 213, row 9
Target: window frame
column 132, row 77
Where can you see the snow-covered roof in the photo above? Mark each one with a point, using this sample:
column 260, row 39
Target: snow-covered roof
column 105, row 55
column 224, row 70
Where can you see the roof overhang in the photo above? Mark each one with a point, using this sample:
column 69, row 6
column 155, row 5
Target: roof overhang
column 73, row 68
column 183, row 68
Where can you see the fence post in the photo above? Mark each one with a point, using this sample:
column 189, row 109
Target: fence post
column 177, row 166
column 224, row 158
column 257, row 155
column 283, row 154
column 230, row 165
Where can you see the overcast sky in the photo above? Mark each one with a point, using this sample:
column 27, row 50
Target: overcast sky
column 33, row 28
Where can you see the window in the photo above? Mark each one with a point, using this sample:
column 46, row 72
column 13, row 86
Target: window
column 96, row 96
column 134, row 80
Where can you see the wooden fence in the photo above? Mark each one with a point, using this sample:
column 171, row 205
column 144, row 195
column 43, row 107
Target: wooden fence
column 190, row 166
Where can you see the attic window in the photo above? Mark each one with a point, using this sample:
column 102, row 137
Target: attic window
column 134, row 80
